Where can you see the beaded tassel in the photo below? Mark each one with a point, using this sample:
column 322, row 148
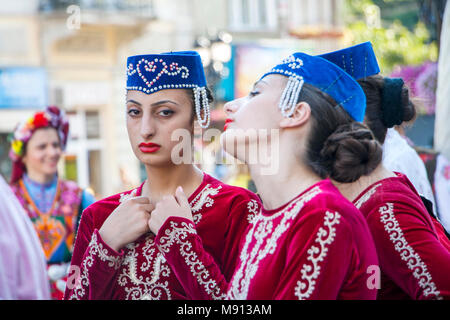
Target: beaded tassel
column 290, row 95
column 201, row 100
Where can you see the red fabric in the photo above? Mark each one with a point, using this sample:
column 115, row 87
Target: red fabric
column 327, row 229
column 139, row 270
column 414, row 263
column 317, row 246
column 18, row 169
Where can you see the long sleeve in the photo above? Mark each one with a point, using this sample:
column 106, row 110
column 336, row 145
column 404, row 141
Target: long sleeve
column 198, row 273
column 94, row 265
column 201, row 276
column 410, row 252
column 318, row 257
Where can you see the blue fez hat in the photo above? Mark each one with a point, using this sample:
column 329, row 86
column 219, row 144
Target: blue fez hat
column 301, row 68
column 359, row 61
column 171, row 70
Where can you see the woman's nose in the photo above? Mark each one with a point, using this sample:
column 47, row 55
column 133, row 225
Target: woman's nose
column 230, row 107
column 147, row 127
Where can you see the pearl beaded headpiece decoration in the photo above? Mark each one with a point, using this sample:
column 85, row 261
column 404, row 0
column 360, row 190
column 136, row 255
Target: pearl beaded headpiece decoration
column 173, row 70
column 301, row 68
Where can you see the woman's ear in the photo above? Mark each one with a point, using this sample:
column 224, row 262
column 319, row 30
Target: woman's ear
column 299, row 117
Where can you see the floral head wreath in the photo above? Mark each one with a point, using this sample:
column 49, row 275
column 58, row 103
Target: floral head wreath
column 52, row 117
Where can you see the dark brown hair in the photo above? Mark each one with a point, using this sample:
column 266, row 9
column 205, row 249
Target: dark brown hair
column 338, row 147
column 376, row 116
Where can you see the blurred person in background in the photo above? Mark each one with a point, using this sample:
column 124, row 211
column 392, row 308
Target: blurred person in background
column 23, row 274
column 412, row 247
column 54, row 205
column 383, row 113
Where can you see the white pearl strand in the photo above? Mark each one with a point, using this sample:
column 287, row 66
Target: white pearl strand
column 200, row 95
column 290, row 96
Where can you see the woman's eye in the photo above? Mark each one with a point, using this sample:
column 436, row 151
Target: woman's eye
column 166, row 113
column 253, row 93
column 133, row 112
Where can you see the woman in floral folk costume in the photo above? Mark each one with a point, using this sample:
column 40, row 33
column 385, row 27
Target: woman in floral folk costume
column 116, row 255
column 53, row 205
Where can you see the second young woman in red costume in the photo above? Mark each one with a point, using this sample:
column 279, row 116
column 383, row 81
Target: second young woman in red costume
column 308, row 242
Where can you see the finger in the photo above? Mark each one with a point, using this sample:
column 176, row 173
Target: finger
column 169, row 200
column 181, row 197
column 152, row 226
column 148, row 207
column 141, row 199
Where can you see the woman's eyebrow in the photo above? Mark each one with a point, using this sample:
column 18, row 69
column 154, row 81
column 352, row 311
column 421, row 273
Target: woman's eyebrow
column 163, row 102
column 133, row 101
column 259, row 81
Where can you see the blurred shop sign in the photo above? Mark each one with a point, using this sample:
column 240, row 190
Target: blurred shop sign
column 86, row 93
column 23, row 87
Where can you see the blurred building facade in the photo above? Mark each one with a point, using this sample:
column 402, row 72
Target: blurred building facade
column 73, row 54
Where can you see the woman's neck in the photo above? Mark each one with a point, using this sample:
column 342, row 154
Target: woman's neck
column 353, row 189
column 163, row 181
column 41, row 178
column 284, row 184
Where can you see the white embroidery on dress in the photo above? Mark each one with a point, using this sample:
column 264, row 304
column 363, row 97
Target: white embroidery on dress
column 95, row 249
column 407, row 253
column 253, row 209
column 311, row 271
column 366, row 196
column 177, row 233
column 261, row 231
column 147, row 287
column 126, row 196
column 152, row 287
column 203, row 199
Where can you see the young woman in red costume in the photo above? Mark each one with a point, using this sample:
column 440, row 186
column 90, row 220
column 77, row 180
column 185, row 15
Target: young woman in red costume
column 116, row 256
column 412, row 247
column 308, row 242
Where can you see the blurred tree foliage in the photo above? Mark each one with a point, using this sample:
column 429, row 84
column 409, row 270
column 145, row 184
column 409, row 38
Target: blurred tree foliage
column 393, row 27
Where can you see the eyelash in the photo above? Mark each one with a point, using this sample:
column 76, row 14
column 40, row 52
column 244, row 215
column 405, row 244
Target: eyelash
column 253, row 93
column 167, row 110
column 131, row 112
column 163, row 113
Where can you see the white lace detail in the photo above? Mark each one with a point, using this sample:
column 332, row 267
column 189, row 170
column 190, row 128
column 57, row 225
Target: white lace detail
column 366, row 196
column 203, row 199
column 125, row 196
column 253, row 209
column 95, row 249
column 266, row 242
column 317, row 253
column 177, row 233
column 407, row 253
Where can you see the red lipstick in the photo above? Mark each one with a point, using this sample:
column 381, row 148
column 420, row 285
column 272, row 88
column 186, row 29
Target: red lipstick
column 227, row 121
column 149, row 147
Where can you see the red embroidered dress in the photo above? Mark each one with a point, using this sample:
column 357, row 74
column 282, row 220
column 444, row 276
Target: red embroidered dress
column 317, row 246
column 140, row 271
column 414, row 263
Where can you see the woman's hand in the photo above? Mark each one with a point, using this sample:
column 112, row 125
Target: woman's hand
column 127, row 222
column 170, row 206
